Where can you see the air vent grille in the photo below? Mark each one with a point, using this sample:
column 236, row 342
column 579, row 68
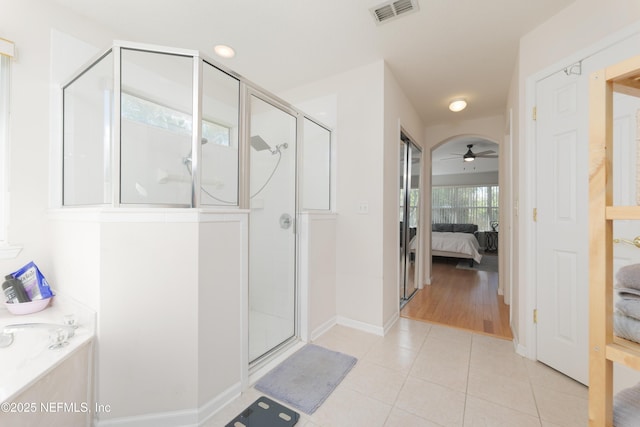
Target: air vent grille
column 388, row 11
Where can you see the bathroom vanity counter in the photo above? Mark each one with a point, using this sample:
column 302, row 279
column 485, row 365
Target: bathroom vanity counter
column 29, row 357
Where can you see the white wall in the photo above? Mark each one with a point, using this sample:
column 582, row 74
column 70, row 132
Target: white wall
column 318, row 272
column 31, row 24
column 490, row 178
column 359, row 149
column 559, row 40
column 369, row 110
column 398, row 113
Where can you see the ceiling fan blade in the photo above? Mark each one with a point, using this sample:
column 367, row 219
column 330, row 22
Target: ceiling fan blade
column 452, row 158
column 482, row 153
column 487, row 156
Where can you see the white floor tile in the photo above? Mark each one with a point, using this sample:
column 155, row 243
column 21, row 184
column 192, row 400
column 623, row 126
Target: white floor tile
column 389, row 354
column 561, row 408
column 480, row 413
column 430, row 375
column 433, row 402
column 400, row 418
column 378, row 382
column 348, row 408
column 509, row 392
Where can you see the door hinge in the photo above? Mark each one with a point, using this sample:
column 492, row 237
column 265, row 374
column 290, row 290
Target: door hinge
column 535, row 315
column 535, row 214
column 534, row 114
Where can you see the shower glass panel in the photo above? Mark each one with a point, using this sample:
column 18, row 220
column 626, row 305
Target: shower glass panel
column 272, row 245
column 88, row 102
column 220, row 112
column 316, row 167
column 156, row 128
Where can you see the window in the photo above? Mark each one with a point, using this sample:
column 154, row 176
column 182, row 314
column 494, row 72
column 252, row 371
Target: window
column 465, row 205
column 414, row 200
column 6, row 51
column 150, row 113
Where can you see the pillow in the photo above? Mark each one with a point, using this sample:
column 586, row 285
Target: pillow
column 442, row 227
column 465, row 228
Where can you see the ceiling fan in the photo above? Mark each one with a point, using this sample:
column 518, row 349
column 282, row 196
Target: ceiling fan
column 470, row 156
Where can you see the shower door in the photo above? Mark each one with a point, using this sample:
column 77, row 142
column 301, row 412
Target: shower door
column 410, row 167
column 272, row 224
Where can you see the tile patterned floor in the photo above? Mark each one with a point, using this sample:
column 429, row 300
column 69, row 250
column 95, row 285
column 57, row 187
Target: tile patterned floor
column 429, row 375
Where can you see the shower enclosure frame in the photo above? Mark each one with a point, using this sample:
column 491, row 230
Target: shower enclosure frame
column 246, row 89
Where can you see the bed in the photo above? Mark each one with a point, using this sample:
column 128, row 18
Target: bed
column 455, row 241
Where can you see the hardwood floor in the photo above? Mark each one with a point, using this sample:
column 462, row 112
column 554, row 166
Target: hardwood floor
column 464, row 299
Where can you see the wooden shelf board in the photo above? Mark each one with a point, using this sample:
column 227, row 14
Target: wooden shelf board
column 622, row 212
column 624, row 72
column 624, row 352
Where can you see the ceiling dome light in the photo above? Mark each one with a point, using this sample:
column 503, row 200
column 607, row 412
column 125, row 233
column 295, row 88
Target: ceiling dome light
column 224, row 51
column 457, row 105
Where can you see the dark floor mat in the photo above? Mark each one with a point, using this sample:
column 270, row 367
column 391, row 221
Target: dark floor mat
column 264, row 412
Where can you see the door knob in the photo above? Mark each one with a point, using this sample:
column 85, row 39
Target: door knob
column 285, row 221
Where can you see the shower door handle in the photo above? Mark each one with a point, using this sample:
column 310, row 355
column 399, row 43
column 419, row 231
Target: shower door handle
column 285, row 221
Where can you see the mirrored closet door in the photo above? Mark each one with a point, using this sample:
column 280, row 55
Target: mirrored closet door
column 410, row 168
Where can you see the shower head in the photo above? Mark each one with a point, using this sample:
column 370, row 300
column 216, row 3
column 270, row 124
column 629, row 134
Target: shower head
column 187, row 160
column 279, row 148
column 259, row 144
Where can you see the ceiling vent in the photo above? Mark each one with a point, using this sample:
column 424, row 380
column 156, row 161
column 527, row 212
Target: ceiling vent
column 390, row 10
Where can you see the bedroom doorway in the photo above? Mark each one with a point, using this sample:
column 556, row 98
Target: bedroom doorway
column 409, row 206
column 465, row 196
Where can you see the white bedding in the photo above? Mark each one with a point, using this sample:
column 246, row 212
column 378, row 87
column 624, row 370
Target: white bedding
column 462, row 243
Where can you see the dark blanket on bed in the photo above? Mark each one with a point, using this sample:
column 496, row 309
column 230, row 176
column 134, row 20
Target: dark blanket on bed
column 455, row 228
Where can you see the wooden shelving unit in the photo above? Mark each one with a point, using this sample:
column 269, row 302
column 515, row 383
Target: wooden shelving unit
column 604, row 347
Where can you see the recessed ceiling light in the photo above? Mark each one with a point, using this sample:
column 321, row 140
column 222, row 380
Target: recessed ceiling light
column 224, row 51
column 457, row 105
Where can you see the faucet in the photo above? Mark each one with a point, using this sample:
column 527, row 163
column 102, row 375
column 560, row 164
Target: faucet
column 59, row 333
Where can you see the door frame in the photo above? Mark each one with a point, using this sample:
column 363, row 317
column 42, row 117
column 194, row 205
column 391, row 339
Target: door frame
column 408, row 143
column 245, row 202
column 527, row 262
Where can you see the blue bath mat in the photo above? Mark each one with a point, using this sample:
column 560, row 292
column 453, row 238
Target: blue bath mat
column 307, row 378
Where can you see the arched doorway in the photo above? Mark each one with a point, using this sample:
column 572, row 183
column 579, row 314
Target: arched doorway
column 465, row 192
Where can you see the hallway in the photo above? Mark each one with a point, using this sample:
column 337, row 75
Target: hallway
column 465, row 299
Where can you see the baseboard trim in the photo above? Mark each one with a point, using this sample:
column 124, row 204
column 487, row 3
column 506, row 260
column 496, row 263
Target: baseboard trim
column 361, row 326
column 320, row 330
column 185, row 418
column 392, row 321
column 210, row 408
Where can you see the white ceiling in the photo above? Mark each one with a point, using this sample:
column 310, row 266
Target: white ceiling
column 449, row 48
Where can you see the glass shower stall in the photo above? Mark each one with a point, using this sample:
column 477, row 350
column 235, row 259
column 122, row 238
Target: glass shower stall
column 154, row 127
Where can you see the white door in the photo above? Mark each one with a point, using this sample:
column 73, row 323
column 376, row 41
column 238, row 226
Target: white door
column 272, row 238
column 562, row 244
column 562, row 251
